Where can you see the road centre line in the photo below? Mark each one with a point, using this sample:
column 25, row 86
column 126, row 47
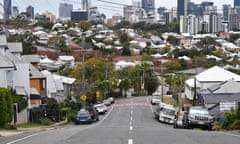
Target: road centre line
column 130, row 141
column 131, row 128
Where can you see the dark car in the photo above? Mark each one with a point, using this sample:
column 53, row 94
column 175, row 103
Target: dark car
column 83, row 116
column 93, row 113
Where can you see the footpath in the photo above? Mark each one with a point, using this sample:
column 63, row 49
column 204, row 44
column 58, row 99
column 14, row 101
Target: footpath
column 6, row 133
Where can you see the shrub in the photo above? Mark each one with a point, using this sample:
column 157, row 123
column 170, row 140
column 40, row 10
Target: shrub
column 229, row 119
column 235, row 125
column 71, row 117
column 45, row 121
column 6, row 106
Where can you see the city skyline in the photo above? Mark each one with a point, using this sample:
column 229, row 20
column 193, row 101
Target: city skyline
column 41, row 6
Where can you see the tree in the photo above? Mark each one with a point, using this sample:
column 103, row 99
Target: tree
column 84, row 25
column 6, row 106
column 151, row 84
column 57, row 42
column 45, row 24
column 234, row 37
column 124, row 85
column 172, row 65
column 126, row 51
column 27, row 39
column 172, row 40
column 123, row 38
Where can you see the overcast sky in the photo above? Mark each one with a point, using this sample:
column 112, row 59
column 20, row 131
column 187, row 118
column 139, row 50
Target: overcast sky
column 109, row 9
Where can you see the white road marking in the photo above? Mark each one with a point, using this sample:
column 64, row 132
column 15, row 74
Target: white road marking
column 17, row 140
column 130, row 141
column 147, row 99
column 131, row 128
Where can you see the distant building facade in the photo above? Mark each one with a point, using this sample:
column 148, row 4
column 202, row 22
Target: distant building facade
column 182, row 7
column 7, row 4
column 65, row 10
column 226, row 12
column 78, row 15
column 148, row 5
column 236, row 3
column 15, row 11
column 30, row 12
column 234, row 22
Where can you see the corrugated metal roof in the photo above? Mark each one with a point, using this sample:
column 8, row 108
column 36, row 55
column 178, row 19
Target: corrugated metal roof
column 35, row 73
column 3, row 40
column 5, row 62
column 32, row 58
column 21, row 91
column 216, row 74
column 15, row 47
column 217, row 98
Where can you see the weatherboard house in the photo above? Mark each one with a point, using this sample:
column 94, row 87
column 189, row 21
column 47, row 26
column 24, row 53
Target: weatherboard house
column 214, row 86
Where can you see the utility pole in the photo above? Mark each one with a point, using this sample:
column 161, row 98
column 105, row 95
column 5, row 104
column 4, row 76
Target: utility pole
column 83, row 66
column 162, row 82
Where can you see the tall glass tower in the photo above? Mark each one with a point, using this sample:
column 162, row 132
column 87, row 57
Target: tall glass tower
column 7, row 9
column 182, row 7
column 236, row 3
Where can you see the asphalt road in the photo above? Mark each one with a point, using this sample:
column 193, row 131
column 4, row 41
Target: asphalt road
column 129, row 121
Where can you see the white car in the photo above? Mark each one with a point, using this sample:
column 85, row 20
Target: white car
column 155, row 100
column 101, row 108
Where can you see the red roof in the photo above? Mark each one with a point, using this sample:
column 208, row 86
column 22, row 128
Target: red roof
column 74, row 46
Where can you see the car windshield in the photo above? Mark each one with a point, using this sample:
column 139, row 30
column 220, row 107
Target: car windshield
column 198, row 111
column 168, row 111
column 83, row 113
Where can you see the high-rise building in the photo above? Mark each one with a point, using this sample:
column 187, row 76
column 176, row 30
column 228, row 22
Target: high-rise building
column 7, row 9
column 213, row 22
column 182, row 7
column 128, row 11
column 226, row 12
column 234, row 22
column 15, row 11
column 236, row 3
column 85, row 4
column 189, row 24
column 65, row 11
column 30, row 12
column 148, row 5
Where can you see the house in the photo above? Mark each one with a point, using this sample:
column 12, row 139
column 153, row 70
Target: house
column 14, row 73
column 59, row 87
column 224, row 93
column 213, row 76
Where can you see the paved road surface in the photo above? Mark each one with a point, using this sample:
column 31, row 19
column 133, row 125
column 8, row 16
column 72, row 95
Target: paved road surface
column 129, row 121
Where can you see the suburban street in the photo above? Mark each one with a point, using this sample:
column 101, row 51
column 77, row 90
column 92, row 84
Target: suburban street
column 128, row 121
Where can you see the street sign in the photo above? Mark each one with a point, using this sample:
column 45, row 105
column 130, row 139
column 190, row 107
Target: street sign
column 83, row 97
column 97, row 94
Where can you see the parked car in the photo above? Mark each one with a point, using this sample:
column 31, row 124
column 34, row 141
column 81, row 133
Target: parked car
column 93, row 113
column 101, row 108
column 198, row 116
column 155, row 100
column 83, row 116
column 107, row 102
column 178, row 122
column 111, row 99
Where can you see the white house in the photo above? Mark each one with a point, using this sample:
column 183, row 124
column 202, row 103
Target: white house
column 206, row 79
